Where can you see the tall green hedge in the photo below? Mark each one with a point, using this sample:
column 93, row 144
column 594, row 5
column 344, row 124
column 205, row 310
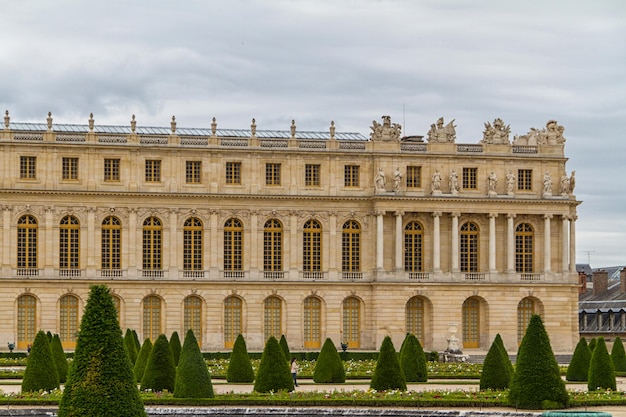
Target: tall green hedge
column 41, row 371
column 60, row 358
column 160, row 372
column 131, row 347
column 192, row 375
column 578, row 369
column 388, row 374
column 618, row 355
column 136, row 339
column 601, row 371
column 413, row 360
column 274, row 373
column 285, row 347
column 176, row 347
column 142, row 359
column 329, row 366
column 496, row 374
column 592, row 344
column 239, row 365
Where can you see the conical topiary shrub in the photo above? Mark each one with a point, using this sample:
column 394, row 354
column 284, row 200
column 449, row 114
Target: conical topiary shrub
column 274, row 373
column 285, row 347
column 388, row 374
column 131, row 347
column 329, row 366
column 142, row 359
column 60, row 358
column 239, row 365
column 175, row 346
column 192, row 375
column 136, row 339
column 100, row 381
column 160, row 372
column 41, row 371
column 578, row 369
column 496, row 374
column 592, row 344
column 537, row 383
column 413, row 360
column 505, row 354
column 618, row 355
column 601, row 371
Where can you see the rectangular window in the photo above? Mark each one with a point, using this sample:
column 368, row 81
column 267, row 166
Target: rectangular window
column 28, row 167
column 351, row 175
column 272, row 174
column 525, row 179
column 413, row 177
column 312, row 175
column 193, row 172
column 233, row 172
column 111, row 169
column 70, row 168
column 469, row 178
column 153, row 170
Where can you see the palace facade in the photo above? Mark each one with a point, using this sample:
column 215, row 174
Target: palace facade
column 307, row 234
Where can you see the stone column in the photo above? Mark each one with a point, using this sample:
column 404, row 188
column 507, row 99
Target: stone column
column 91, row 241
column 132, row 244
column 214, row 240
column 547, row 241
column 399, row 246
column 492, row 241
column 332, row 240
column 294, row 248
column 49, row 239
column 173, row 249
column 380, row 239
column 6, row 241
column 436, row 242
column 510, row 243
column 256, row 248
column 565, row 246
column 572, row 243
column 455, row 241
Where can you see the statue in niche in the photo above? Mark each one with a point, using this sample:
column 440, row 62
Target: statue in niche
column 454, row 183
column 379, row 180
column 547, row 184
column 565, row 186
column 397, row 179
column 442, row 134
column 435, row 184
column 492, row 181
column 510, row 183
column 572, row 182
column 497, row 134
column 386, row 131
column 552, row 134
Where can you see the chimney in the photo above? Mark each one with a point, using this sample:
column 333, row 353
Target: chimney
column 600, row 281
column 582, row 280
column 622, row 280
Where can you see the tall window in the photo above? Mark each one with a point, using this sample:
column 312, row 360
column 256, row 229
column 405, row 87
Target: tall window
column 27, row 242
column 26, row 320
column 312, row 175
column 233, row 172
column 152, row 317
column 351, row 247
column 413, row 177
column 192, row 245
column 468, row 250
column 233, row 245
column 469, row 178
column 273, row 246
column 153, row 170
column 525, row 179
column 232, row 320
column 312, row 246
column 351, row 322
column 193, row 172
column 413, row 247
column 68, row 320
column 70, row 168
column 525, row 309
column 111, row 169
column 111, row 243
column 272, row 174
column 28, row 167
column 415, row 318
column 152, row 244
column 471, row 323
column 351, row 176
column 193, row 316
column 312, row 322
column 524, row 248
column 69, row 243
column 272, row 315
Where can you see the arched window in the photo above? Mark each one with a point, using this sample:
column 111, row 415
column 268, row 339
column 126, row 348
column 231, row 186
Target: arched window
column 413, row 247
column 415, row 317
column 525, row 309
column 469, row 250
column 193, row 316
column 351, row 247
column 152, row 244
column 27, row 243
column 233, row 245
column 272, row 316
column 69, row 243
column 352, row 322
column 312, row 322
column 273, row 246
column 26, row 320
column 312, row 246
column 111, row 244
column 192, row 245
column 471, row 323
column 524, row 248
column 232, row 320
column 152, row 317
column 68, row 320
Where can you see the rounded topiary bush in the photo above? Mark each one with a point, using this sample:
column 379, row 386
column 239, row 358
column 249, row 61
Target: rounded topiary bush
column 192, row 375
column 274, row 373
column 41, row 371
column 239, row 365
column 60, row 358
column 142, row 360
column 329, row 366
column 413, row 360
column 496, row 374
column 578, row 369
column 160, row 372
column 388, row 374
column 176, row 347
column 618, row 355
column 601, row 371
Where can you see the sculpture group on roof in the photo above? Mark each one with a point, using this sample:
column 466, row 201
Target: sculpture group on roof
column 552, row 134
column 442, row 134
column 386, row 130
column 497, row 133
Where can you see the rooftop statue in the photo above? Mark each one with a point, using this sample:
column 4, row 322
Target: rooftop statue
column 552, row 134
column 442, row 134
column 497, row 134
column 385, row 131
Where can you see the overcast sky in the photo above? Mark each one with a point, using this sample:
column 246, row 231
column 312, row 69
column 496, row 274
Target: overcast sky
column 348, row 61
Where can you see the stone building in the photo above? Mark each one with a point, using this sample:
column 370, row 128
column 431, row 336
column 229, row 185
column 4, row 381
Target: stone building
column 307, row 234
